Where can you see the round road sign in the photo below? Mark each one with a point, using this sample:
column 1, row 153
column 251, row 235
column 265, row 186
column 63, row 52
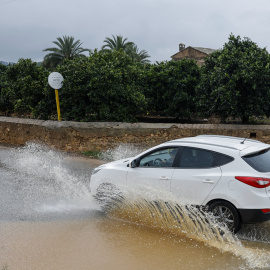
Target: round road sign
column 55, row 80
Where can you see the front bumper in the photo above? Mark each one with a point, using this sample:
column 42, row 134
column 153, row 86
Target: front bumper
column 253, row 216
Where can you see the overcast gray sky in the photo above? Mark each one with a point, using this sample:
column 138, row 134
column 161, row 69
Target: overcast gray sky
column 157, row 26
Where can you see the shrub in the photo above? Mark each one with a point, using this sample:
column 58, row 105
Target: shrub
column 24, row 86
column 171, row 87
column 100, row 87
column 236, row 81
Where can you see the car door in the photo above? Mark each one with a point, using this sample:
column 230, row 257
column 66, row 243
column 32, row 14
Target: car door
column 154, row 169
column 196, row 175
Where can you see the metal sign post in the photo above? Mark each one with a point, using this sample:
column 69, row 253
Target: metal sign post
column 55, row 80
column 57, row 105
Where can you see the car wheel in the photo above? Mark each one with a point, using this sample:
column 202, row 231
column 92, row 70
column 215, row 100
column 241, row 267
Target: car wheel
column 226, row 213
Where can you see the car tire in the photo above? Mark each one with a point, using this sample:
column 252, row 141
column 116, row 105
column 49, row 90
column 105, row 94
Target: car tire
column 227, row 214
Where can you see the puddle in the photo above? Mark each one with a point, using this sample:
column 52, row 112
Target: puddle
column 49, row 220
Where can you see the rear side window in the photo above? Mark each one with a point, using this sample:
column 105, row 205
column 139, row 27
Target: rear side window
column 223, row 159
column 197, row 158
column 259, row 161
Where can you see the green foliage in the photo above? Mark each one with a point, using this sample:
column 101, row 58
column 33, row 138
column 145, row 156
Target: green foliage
column 115, row 92
column 137, row 55
column 236, row 81
column 94, row 153
column 4, row 104
column 67, row 48
column 119, row 43
column 116, row 43
column 3, row 68
column 115, row 85
column 100, row 87
column 23, row 86
column 171, row 87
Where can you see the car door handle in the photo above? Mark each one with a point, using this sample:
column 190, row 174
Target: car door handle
column 208, row 181
column 164, row 178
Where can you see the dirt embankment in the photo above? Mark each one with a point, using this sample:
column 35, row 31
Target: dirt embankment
column 89, row 136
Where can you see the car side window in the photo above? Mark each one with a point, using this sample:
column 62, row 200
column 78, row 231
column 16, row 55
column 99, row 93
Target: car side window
column 197, row 158
column 223, row 159
column 163, row 157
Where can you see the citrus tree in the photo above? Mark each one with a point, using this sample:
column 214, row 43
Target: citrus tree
column 4, row 103
column 24, row 86
column 235, row 81
column 101, row 87
column 170, row 87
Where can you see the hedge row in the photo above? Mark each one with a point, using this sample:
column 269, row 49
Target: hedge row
column 102, row 87
column 234, row 82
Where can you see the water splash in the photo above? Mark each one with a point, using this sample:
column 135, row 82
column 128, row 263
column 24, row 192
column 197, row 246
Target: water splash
column 120, row 152
column 52, row 181
column 162, row 211
column 39, row 161
column 256, row 232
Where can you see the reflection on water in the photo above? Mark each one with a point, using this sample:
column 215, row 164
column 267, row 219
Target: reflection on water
column 103, row 243
column 64, row 228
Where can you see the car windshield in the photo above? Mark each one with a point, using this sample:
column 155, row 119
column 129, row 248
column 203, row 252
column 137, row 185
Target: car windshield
column 259, row 161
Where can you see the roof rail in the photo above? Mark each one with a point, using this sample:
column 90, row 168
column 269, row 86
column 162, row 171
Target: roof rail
column 206, row 143
column 228, row 137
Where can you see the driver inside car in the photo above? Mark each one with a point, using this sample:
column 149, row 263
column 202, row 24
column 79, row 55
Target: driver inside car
column 169, row 162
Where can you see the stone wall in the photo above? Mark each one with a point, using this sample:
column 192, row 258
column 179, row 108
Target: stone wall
column 78, row 137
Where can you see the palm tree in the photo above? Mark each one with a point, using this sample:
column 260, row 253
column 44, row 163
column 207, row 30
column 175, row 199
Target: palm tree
column 138, row 56
column 67, row 49
column 116, row 43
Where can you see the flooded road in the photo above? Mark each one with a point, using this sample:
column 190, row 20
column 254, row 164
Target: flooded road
column 49, row 220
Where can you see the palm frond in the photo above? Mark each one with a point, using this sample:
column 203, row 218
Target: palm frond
column 116, row 43
column 67, row 48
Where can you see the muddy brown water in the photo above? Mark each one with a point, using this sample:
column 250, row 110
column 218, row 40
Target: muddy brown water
column 49, row 220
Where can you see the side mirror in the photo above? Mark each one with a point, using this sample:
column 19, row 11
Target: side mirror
column 134, row 163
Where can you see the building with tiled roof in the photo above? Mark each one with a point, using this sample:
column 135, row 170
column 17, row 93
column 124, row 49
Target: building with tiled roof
column 196, row 53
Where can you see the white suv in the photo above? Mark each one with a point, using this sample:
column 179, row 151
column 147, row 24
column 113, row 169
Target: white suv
column 229, row 176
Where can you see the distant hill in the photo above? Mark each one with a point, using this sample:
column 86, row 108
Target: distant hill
column 5, row 63
column 11, row 63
